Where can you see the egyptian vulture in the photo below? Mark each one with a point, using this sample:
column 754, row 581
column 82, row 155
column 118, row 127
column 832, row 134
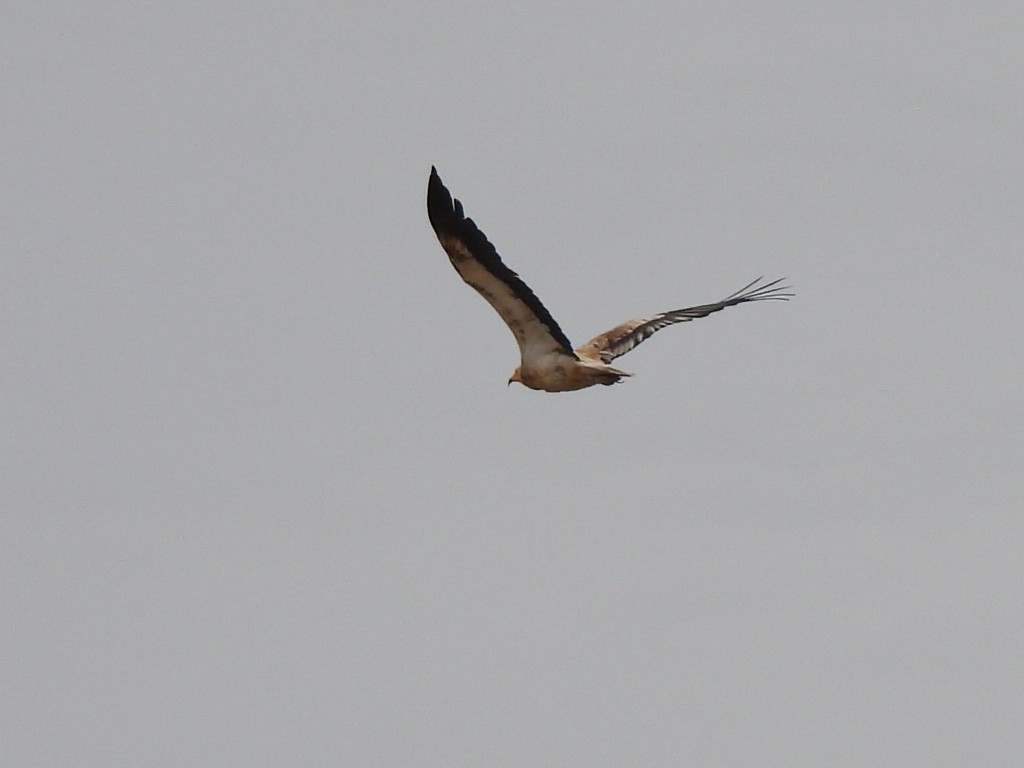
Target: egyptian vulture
column 548, row 361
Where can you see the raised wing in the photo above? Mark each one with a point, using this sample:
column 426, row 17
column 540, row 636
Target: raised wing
column 477, row 261
column 621, row 339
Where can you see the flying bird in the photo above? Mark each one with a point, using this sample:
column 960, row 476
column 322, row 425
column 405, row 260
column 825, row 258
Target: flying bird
column 548, row 360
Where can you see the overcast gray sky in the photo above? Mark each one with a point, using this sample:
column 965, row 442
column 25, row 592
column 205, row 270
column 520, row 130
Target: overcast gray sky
column 268, row 501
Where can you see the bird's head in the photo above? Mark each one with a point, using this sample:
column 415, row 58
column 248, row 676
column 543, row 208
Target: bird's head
column 516, row 376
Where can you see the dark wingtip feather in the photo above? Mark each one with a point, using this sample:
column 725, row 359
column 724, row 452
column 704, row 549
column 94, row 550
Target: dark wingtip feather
column 442, row 210
column 752, row 291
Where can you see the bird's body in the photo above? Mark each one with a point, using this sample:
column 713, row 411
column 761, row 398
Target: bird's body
column 548, row 361
column 560, row 373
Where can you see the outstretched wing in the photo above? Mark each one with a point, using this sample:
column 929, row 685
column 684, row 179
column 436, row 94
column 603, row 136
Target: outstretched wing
column 619, row 340
column 476, row 260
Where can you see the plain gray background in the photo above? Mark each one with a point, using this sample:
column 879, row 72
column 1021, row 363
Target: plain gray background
column 267, row 500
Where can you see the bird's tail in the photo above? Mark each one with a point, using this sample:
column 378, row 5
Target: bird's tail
column 609, row 376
